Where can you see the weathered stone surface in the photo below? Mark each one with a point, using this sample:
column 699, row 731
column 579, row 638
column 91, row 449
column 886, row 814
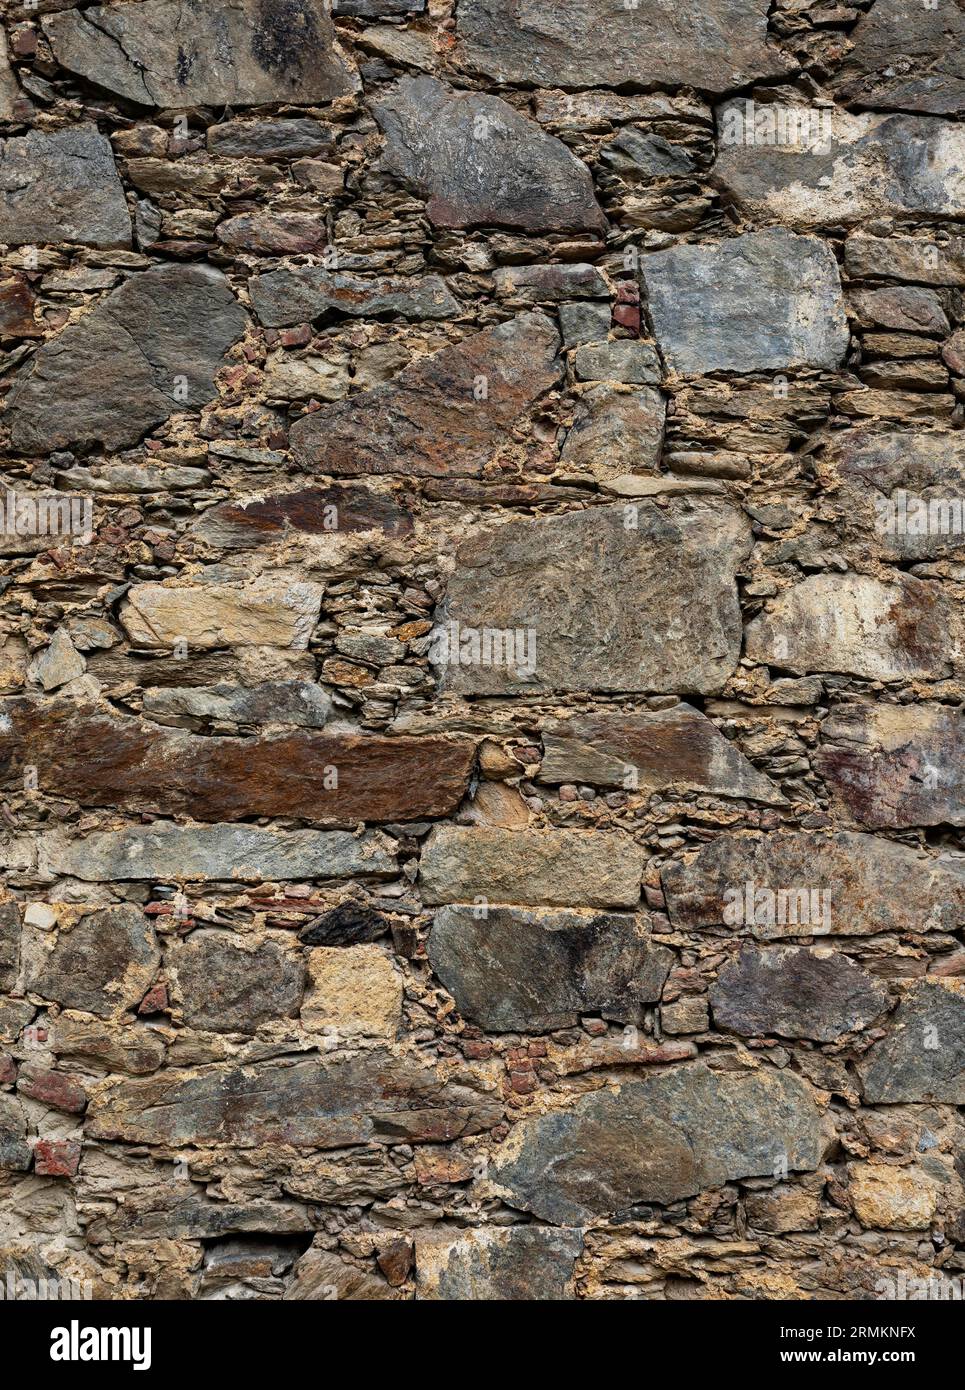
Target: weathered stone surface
column 349, row 924
column 51, row 1088
column 9, row 90
column 923, row 1056
column 166, row 853
column 101, row 761
column 493, row 1263
column 226, row 985
column 269, row 139
column 917, row 258
column 294, row 296
column 701, row 1129
column 906, row 56
column 135, row 1051
column 321, row 1274
column 354, row 991
column 616, row 432
column 609, row 606
column 479, row 162
column 9, row 944
column 892, row 1199
column 869, row 885
column 102, row 965
column 427, row 421
column 905, row 308
column 759, row 301
column 17, row 303
column 551, row 868
column 61, row 186
column 625, row 360
column 341, row 509
column 650, row 751
column 269, row 702
column 516, row 971
column 581, row 43
column 829, row 166
column 148, row 350
column 268, row 612
column 217, row 52
column 14, row 1149
column 275, row 233
column 891, row 766
column 862, row 626
column 549, row 284
column 373, row 1097
column 796, row 993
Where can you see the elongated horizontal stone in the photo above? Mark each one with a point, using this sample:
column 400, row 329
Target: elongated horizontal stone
column 103, row 964
column 177, row 53
column 294, row 296
column 375, row 1097
column 511, row 970
column 552, row 868
column 866, row 885
column 613, row 598
column 796, row 993
column 712, row 45
column 335, row 780
column 649, row 752
column 278, row 612
column 905, row 56
column 298, row 703
column 224, row 984
column 862, row 626
column 895, row 765
column 519, row 1263
column 430, row 420
column 480, row 162
column 658, row 1140
column 149, row 349
column 166, row 853
column 922, row 1058
column 918, row 258
column 59, row 186
column 761, row 301
column 135, row 1051
column 813, row 166
column 270, row 139
column 341, row 509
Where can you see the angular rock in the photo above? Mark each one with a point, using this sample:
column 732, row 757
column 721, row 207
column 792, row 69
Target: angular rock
column 761, row 301
column 134, row 1051
column 616, row 432
column 179, row 853
column 669, row 1136
column 9, row 945
column 178, row 53
column 827, row 166
column 58, row 663
column 497, row 1263
column 275, row 233
column 893, row 1199
column 650, row 752
column 227, row 986
column 905, row 258
column 100, row 966
column 334, row 780
column 373, row 1097
column 891, row 766
column 906, row 56
column 322, row 1274
column 9, row 90
column 905, row 308
column 624, row 360
column 52, row 1088
column 147, row 351
column 295, row 703
column 14, row 1149
column 795, row 993
column 341, row 509
column 532, row 972
column 62, row 186
column 306, row 292
column 862, row 626
column 349, row 924
column 869, row 885
column 270, row 139
column 923, row 1057
column 656, row 43
column 431, row 420
column 551, row 868
column 549, row 284
column 17, row 303
column 354, row 991
column 478, row 161
column 613, row 598
column 267, row 612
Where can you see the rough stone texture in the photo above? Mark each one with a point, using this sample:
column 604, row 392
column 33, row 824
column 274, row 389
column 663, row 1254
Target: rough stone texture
column 62, row 187
column 922, row 1058
column 906, row 57
column 231, row 989
column 795, row 993
column 897, row 1199
column 102, row 965
column 762, row 301
column 514, row 1263
column 704, row 1128
column 586, row 963
column 270, row 613
column 9, row 944
column 353, row 991
column 292, row 296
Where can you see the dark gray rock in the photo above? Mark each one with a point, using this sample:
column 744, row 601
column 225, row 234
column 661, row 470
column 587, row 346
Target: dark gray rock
column 636, row 154
column 624, row 360
column 230, row 989
column 148, row 350
column 497, row 1263
column 923, row 1057
column 349, row 924
column 175, row 53
column 759, row 301
column 104, row 964
column 479, row 162
column 906, row 56
column 615, row 432
column 14, row 1149
column 668, row 1136
column 916, row 258
column 511, row 970
column 293, row 296
column 549, row 284
column 9, row 944
column 713, row 45
column 283, row 139
column 796, row 993
column 62, row 186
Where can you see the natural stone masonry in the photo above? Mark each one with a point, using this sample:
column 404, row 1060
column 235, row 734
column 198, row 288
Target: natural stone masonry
column 481, row 660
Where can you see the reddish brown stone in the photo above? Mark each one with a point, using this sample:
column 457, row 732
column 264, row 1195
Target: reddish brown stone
column 52, row 1088
column 154, row 1002
column 8, row 1069
column 339, row 509
column 275, row 234
column 97, row 760
column 56, row 1158
column 17, row 302
column 395, row 1261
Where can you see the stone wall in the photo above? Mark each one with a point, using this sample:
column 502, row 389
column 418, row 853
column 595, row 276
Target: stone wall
column 481, row 648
